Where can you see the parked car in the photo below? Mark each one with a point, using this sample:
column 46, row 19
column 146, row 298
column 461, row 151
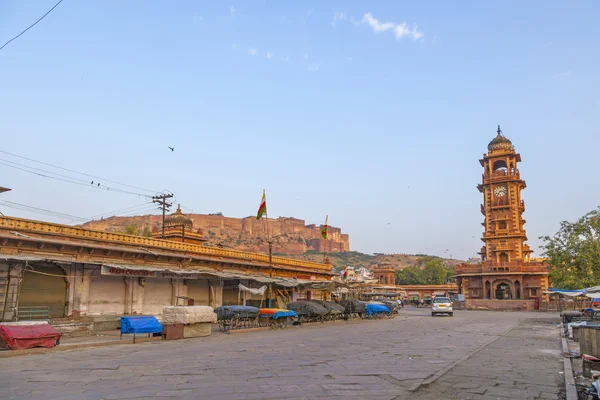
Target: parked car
column 441, row 305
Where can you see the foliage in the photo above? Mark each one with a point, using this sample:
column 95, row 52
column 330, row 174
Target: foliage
column 132, row 229
column 428, row 270
column 573, row 253
column 147, row 232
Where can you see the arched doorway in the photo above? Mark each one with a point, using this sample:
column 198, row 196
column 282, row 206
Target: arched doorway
column 503, row 291
column 517, row 290
column 503, row 257
column 44, row 286
column 488, row 290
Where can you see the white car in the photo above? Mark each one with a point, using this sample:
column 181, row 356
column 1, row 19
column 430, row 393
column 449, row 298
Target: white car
column 441, row 305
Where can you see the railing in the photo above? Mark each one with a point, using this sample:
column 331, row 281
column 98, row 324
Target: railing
column 18, row 224
column 501, row 202
column 500, row 175
column 526, row 267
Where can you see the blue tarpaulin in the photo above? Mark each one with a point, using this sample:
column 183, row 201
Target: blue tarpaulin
column 377, row 308
column 282, row 314
column 289, row 313
column 140, row 324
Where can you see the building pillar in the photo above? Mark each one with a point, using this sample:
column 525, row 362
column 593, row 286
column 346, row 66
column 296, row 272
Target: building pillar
column 137, row 297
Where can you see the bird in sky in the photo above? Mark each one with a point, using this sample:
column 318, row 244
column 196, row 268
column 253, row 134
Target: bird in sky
column 171, row 148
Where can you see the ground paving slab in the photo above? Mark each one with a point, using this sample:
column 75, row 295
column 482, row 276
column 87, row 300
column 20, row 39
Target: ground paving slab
column 473, row 355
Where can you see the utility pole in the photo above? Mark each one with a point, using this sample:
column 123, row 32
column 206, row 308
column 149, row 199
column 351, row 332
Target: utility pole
column 162, row 200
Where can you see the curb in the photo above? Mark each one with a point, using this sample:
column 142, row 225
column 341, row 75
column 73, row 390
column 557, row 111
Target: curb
column 570, row 389
column 75, row 346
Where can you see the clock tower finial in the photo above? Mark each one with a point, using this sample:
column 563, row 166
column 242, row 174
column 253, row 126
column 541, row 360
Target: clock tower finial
column 499, row 130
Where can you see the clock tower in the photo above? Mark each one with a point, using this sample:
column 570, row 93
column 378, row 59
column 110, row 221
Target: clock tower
column 506, row 278
column 504, row 235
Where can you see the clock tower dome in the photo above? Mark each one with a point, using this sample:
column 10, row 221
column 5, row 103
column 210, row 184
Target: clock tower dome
column 504, row 235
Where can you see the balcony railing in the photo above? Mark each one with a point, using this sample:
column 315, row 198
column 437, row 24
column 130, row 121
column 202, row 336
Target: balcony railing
column 501, row 175
column 491, row 267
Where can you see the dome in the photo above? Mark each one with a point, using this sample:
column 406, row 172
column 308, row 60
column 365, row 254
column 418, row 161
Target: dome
column 178, row 219
column 500, row 142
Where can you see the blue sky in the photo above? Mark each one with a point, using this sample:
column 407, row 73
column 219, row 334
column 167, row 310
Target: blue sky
column 373, row 113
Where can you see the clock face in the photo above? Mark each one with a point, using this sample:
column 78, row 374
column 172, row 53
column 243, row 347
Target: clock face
column 500, row 191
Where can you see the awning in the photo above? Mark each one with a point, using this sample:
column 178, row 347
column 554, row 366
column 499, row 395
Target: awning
column 439, row 293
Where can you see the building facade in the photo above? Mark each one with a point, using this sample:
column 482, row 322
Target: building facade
column 507, row 277
column 65, row 271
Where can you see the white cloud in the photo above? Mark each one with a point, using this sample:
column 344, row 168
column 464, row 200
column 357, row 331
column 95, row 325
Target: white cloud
column 338, row 16
column 562, row 75
column 232, row 10
column 252, row 51
column 285, row 59
column 197, row 17
column 314, row 67
column 400, row 30
column 270, row 55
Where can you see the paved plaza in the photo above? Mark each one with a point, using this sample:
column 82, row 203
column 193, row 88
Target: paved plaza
column 473, row 355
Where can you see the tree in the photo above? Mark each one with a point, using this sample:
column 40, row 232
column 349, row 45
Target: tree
column 132, row 229
column 147, row 232
column 409, row 276
column 428, row 271
column 573, row 253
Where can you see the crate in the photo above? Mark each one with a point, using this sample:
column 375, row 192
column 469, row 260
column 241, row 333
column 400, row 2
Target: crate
column 172, row 331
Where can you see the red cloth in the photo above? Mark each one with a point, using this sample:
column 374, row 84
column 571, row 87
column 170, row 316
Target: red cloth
column 19, row 337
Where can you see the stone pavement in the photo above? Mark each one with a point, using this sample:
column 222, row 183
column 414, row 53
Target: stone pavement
column 525, row 363
column 474, row 353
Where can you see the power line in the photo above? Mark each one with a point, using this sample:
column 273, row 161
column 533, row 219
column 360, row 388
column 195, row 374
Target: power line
column 77, row 172
column 69, row 179
column 37, row 210
column 114, row 212
column 32, row 25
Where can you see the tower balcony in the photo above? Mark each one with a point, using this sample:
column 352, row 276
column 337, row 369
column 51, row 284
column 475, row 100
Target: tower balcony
column 522, row 206
column 501, row 175
column 501, row 202
column 490, row 267
column 482, row 209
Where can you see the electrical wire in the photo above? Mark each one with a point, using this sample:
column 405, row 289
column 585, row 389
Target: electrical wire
column 32, row 25
column 72, row 180
column 37, row 210
column 114, row 212
column 77, row 172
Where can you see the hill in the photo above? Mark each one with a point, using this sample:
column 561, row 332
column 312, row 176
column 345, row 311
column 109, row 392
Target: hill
column 289, row 235
column 361, row 260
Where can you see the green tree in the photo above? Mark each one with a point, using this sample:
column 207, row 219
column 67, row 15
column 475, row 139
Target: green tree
column 573, row 253
column 409, row 276
column 132, row 229
column 147, row 232
column 429, row 270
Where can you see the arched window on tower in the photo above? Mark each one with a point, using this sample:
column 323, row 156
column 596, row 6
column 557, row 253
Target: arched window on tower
column 499, row 168
column 503, row 257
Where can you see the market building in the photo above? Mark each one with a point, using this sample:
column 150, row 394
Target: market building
column 53, row 271
column 507, row 278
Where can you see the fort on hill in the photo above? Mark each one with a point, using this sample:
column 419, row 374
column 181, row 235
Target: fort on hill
column 290, row 235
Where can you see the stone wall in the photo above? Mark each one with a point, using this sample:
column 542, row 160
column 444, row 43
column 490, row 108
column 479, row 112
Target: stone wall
column 291, row 235
column 499, row 305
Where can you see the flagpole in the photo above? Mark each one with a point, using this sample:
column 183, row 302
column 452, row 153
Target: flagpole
column 326, row 227
column 270, row 242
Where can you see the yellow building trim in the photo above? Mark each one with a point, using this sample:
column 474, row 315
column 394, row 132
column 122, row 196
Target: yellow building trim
column 46, row 228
